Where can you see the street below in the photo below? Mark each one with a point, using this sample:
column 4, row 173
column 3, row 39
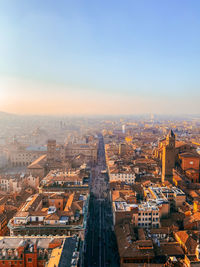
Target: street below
column 100, row 241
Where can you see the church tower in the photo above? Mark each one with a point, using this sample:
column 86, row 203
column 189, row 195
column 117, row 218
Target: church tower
column 51, row 151
column 168, row 156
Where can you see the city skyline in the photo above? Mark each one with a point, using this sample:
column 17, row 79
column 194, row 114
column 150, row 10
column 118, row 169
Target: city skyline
column 99, row 58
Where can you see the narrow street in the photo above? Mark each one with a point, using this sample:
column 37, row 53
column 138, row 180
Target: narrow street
column 100, row 244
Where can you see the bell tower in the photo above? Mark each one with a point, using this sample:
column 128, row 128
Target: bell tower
column 51, row 151
column 168, row 156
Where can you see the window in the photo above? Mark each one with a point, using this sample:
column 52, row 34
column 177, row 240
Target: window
column 29, row 259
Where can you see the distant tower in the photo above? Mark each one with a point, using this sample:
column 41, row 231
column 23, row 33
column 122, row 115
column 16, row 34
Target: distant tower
column 51, row 150
column 123, row 129
column 168, row 156
column 122, row 149
column 152, row 117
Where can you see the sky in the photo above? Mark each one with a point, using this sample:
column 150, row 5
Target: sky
column 100, row 57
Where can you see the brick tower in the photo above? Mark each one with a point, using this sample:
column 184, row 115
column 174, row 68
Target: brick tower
column 51, row 151
column 168, row 156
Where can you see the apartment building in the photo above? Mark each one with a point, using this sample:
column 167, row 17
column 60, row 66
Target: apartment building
column 10, row 184
column 51, row 213
column 190, row 164
column 39, row 251
column 172, row 195
column 121, row 175
column 145, row 215
column 64, row 178
column 148, row 215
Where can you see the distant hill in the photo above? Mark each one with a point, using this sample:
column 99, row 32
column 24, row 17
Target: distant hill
column 6, row 115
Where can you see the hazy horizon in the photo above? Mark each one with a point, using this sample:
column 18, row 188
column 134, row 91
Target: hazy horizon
column 106, row 115
column 100, row 58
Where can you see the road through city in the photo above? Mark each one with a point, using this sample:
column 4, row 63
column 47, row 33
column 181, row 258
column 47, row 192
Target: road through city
column 100, row 241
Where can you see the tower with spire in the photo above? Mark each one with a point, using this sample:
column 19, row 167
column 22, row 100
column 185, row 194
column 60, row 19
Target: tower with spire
column 168, row 157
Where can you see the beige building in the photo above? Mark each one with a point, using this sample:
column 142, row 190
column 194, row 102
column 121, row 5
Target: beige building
column 19, row 155
column 122, row 176
column 144, row 215
column 89, row 151
column 32, row 181
column 9, row 184
column 148, row 215
column 170, row 196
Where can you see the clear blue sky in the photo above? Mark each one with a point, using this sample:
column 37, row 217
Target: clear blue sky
column 129, row 56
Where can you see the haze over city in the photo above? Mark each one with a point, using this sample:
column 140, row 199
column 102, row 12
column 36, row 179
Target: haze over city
column 99, row 57
column 99, row 133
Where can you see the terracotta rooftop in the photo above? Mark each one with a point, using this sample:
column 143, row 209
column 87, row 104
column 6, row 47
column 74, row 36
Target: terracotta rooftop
column 38, row 163
column 189, row 155
column 193, row 218
column 188, row 239
column 170, row 249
